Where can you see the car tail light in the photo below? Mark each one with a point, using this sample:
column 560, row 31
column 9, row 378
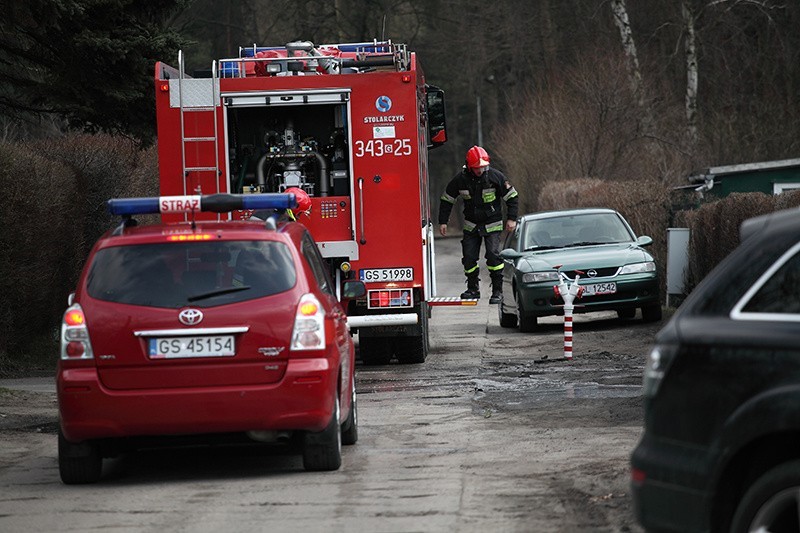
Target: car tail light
column 309, row 325
column 658, row 361
column 638, row 477
column 75, row 343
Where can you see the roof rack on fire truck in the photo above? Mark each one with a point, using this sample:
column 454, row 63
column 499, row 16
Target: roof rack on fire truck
column 214, row 203
column 303, row 57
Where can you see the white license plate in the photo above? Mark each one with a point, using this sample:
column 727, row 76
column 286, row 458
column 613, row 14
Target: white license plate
column 386, row 274
column 599, row 288
column 183, row 347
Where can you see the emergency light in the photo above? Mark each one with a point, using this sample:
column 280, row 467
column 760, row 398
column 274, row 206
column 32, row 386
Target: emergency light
column 215, row 203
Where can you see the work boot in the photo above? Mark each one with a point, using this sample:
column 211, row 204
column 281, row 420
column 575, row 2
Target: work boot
column 497, row 287
column 473, row 291
column 496, row 295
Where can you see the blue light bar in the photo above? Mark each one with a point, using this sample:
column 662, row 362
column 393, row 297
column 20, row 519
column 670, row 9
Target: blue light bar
column 133, row 206
column 215, row 203
column 268, row 201
column 248, row 51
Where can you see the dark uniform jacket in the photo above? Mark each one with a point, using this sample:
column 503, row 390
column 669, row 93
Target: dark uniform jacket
column 483, row 196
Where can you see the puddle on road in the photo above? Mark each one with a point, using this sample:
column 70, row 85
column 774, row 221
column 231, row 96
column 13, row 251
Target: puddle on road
column 455, row 384
column 530, row 387
column 533, row 389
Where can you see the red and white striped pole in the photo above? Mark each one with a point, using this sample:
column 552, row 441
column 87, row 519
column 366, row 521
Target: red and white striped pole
column 568, row 331
column 569, row 293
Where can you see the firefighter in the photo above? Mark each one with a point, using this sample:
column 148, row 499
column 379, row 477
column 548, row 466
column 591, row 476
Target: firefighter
column 303, row 203
column 483, row 190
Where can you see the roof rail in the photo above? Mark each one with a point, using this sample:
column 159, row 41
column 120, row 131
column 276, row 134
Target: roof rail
column 304, row 57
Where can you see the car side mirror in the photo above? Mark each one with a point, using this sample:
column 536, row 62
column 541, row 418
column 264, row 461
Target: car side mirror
column 510, row 253
column 644, row 240
column 437, row 124
column 353, row 289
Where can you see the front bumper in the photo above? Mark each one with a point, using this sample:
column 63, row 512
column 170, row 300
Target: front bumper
column 539, row 299
column 302, row 400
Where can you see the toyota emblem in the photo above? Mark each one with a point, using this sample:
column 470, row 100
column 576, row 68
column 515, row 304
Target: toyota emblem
column 592, row 273
column 190, row 317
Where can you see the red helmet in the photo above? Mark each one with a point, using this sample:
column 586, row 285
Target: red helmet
column 303, row 201
column 477, row 157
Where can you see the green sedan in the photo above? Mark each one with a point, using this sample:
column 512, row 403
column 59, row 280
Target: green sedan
column 598, row 245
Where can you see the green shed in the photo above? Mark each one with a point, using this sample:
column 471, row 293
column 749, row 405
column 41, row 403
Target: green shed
column 770, row 177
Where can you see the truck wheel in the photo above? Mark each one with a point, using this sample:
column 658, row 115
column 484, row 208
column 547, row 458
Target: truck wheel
column 651, row 313
column 771, row 502
column 323, row 451
column 375, row 350
column 414, row 350
column 79, row 463
column 350, row 426
column 411, row 350
column 507, row 320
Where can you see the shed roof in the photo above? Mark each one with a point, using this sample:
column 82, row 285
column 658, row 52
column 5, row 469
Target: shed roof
column 703, row 175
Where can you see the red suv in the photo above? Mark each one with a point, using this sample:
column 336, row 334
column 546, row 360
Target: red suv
column 205, row 329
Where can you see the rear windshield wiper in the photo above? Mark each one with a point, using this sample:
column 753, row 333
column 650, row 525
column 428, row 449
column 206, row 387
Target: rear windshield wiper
column 218, row 292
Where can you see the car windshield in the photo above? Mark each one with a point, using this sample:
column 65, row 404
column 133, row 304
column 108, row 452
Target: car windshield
column 575, row 230
column 200, row 274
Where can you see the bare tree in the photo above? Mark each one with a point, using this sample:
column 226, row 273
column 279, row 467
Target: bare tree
column 620, row 12
column 690, row 48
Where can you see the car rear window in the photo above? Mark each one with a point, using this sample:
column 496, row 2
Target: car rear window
column 199, row 274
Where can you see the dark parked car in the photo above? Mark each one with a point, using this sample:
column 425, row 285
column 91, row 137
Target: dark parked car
column 721, row 443
column 616, row 272
column 204, row 331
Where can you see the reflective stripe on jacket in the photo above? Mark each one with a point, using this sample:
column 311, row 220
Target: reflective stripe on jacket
column 483, row 198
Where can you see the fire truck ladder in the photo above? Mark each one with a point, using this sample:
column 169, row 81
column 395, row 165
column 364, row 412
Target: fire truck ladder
column 198, row 106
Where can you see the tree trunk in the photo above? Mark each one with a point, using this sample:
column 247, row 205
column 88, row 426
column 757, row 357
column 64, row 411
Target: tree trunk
column 628, row 45
column 620, row 12
column 690, row 47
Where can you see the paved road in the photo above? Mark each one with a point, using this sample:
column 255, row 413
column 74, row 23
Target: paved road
column 43, row 385
column 487, row 435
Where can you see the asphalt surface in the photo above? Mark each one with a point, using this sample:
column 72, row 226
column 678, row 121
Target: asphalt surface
column 494, row 432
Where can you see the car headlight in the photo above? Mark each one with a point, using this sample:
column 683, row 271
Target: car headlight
column 638, row 268
column 535, row 277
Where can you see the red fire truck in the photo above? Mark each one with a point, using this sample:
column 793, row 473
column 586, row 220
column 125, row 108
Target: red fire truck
column 350, row 124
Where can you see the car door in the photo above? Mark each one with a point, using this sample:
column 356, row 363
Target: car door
column 341, row 331
column 326, row 287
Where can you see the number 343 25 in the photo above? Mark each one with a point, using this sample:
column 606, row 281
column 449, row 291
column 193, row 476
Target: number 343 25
column 379, row 147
